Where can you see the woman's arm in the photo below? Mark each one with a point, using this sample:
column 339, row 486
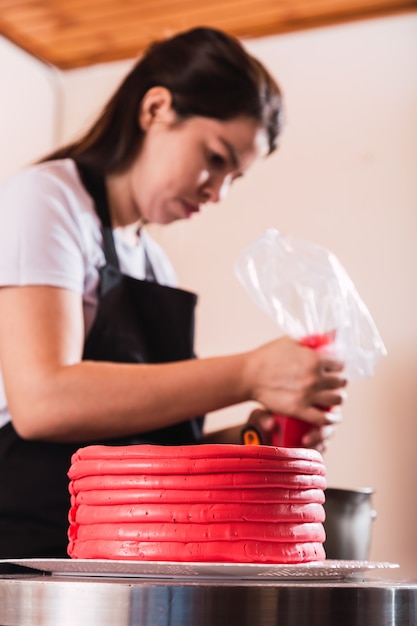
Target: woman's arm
column 53, row 395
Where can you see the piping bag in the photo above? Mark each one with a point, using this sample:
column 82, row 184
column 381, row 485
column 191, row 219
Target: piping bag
column 309, row 294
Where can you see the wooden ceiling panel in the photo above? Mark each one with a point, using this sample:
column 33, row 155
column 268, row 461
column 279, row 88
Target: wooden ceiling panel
column 76, row 33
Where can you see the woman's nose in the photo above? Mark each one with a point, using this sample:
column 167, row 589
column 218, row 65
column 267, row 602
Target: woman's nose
column 217, row 188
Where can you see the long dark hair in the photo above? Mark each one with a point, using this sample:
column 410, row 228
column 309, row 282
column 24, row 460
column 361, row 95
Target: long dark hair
column 208, row 73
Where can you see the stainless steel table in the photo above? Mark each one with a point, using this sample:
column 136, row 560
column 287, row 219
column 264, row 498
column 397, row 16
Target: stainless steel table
column 31, row 599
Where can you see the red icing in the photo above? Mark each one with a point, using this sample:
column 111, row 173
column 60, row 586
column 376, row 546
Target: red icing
column 207, row 451
column 215, row 551
column 198, row 513
column 173, row 466
column 280, row 532
column 149, row 496
column 318, row 340
column 288, row 484
column 197, row 503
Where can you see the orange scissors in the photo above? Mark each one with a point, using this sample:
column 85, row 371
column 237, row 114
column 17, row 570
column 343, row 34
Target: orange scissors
column 251, row 436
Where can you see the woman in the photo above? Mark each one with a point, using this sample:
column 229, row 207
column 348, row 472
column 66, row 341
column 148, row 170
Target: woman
column 96, row 340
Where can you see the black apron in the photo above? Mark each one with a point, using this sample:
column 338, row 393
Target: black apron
column 137, row 321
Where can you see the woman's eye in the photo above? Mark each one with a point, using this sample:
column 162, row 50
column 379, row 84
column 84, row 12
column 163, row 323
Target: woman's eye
column 217, row 160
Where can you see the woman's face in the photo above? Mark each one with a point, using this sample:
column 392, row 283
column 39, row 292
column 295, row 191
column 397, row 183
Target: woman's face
column 184, row 164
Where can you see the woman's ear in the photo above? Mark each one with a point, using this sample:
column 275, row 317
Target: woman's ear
column 156, row 106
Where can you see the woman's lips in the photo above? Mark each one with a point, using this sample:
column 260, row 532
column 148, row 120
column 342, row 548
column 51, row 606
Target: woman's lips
column 190, row 208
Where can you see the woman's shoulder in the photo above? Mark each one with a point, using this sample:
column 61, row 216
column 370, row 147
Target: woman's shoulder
column 47, row 188
column 54, row 176
column 48, row 233
column 41, row 180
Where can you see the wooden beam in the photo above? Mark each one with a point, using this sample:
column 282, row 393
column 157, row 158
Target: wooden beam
column 77, row 33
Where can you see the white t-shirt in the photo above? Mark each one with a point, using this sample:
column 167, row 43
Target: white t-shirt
column 50, row 235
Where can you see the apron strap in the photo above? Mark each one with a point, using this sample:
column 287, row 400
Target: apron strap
column 149, row 273
column 94, row 183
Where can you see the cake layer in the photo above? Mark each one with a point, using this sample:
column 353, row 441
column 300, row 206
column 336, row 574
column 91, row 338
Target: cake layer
column 214, row 551
column 204, row 451
column 145, row 482
column 148, row 496
column 212, row 466
column 197, row 513
column 254, row 531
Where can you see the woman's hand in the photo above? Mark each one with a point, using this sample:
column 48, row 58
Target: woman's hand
column 297, row 381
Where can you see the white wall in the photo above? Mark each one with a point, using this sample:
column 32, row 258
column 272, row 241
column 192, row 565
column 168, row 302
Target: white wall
column 28, row 111
column 345, row 177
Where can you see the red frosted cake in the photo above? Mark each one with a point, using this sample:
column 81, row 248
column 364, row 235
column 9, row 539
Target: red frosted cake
column 207, row 503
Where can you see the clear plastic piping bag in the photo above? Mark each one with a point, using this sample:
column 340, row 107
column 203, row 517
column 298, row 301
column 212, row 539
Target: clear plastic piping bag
column 306, row 290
